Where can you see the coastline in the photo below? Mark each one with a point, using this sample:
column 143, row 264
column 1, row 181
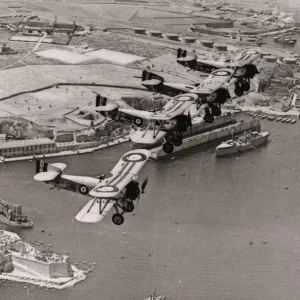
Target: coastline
column 65, row 153
column 60, row 283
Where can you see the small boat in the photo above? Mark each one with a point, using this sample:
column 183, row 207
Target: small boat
column 293, row 121
column 278, row 119
column 263, row 116
column 153, row 297
column 283, row 120
column 271, row 118
column 288, row 120
column 11, row 214
column 242, row 143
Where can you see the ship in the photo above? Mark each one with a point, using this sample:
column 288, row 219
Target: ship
column 154, row 297
column 203, row 133
column 11, row 214
column 243, row 143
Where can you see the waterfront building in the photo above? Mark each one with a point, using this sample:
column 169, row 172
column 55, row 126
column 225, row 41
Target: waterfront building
column 17, row 148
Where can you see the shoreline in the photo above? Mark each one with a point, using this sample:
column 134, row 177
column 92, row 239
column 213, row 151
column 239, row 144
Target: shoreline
column 66, row 153
column 60, row 283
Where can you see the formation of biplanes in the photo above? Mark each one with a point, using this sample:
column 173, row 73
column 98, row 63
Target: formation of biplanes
column 121, row 191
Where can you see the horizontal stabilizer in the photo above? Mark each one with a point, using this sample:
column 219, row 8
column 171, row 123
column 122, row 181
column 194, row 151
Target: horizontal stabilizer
column 90, row 213
column 46, row 176
column 111, row 105
column 186, row 59
column 60, row 166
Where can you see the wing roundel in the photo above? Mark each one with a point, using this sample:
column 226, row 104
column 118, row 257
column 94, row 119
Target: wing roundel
column 124, row 172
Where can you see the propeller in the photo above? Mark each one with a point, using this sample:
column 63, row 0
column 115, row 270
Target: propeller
column 144, row 184
column 143, row 187
column 190, row 124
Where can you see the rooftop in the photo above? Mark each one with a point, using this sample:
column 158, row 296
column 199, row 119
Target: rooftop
column 22, row 143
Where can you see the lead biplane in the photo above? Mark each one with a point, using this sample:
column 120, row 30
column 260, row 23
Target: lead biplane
column 242, row 64
column 116, row 192
column 213, row 91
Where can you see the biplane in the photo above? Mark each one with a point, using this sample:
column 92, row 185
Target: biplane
column 168, row 123
column 242, row 65
column 117, row 192
column 213, row 91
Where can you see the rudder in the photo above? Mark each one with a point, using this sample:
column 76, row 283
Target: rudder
column 41, row 166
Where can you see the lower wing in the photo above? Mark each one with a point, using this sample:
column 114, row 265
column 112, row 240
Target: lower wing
column 95, row 210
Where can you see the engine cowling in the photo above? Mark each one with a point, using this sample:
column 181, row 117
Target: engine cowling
column 132, row 190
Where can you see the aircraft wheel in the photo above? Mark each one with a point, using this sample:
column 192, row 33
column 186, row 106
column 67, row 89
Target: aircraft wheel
column 246, row 86
column 168, row 147
column 138, row 121
column 83, row 190
column 209, row 118
column 177, row 140
column 118, row 219
column 128, row 207
column 238, row 91
column 216, row 111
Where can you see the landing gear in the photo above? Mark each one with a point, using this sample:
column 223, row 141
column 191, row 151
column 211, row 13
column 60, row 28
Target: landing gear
column 177, row 140
column 138, row 122
column 238, row 90
column 208, row 117
column 183, row 123
column 118, row 219
column 246, row 86
column 128, row 207
column 241, row 86
column 216, row 110
column 168, row 147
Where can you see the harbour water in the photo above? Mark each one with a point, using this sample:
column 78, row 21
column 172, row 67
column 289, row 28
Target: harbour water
column 206, row 228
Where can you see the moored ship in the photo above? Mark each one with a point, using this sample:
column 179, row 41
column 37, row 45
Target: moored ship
column 242, row 143
column 11, row 214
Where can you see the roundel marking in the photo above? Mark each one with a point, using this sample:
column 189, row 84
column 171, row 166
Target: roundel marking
column 184, row 98
column 134, row 157
column 221, row 73
column 251, row 52
column 83, row 190
column 107, row 188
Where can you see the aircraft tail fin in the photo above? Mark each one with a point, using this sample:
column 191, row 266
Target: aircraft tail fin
column 105, row 105
column 100, row 100
column 149, row 76
column 47, row 172
column 41, row 166
column 181, row 53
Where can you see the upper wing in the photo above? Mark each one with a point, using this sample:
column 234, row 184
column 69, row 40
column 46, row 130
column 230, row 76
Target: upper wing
column 137, row 113
column 245, row 57
column 175, row 107
column 95, row 210
column 214, row 63
column 124, row 171
column 214, row 81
